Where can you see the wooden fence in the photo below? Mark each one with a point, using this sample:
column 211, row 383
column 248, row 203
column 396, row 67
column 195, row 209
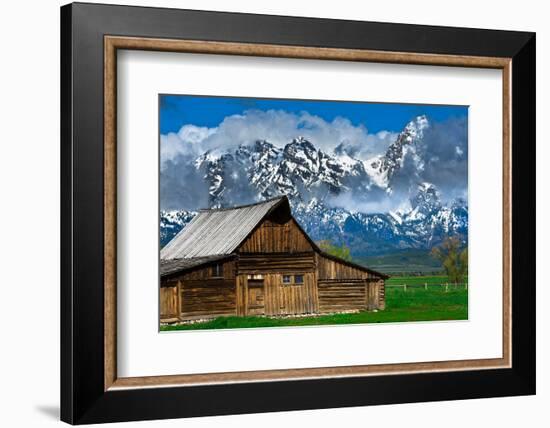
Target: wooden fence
column 447, row 285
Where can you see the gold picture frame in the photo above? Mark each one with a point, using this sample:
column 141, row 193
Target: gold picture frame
column 114, row 43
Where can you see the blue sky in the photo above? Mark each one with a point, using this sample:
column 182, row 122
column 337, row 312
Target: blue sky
column 179, row 110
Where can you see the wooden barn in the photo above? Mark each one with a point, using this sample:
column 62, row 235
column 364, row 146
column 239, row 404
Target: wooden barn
column 257, row 260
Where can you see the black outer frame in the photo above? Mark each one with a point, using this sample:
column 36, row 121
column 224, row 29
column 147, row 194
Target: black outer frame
column 83, row 399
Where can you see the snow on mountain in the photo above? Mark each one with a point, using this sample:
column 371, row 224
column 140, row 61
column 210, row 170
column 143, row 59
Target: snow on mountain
column 383, row 168
column 171, row 222
column 315, row 181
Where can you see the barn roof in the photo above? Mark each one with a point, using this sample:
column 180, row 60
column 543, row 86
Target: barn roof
column 216, row 232
column 168, row 267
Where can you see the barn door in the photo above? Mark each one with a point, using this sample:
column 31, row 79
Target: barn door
column 256, row 304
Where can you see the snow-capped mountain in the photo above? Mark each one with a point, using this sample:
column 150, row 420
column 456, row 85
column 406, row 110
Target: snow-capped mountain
column 383, row 168
column 331, row 193
column 262, row 170
column 171, row 222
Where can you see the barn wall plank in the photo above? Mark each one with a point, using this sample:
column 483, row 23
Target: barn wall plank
column 342, row 295
column 169, row 302
column 274, row 237
column 331, row 269
column 207, row 298
column 252, row 263
column 229, row 272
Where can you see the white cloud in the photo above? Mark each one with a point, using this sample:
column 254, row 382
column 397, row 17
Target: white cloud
column 278, row 127
column 186, row 141
column 373, row 202
column 195, row 134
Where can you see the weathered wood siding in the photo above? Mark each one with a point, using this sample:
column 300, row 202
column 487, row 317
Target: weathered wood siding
column 381, row 294
column 207, row 298
column 291, row 299
column 253, row 283
column 277, row 298
column 331, row 269
column 169, row 302
column 276, row 263
column 372, row 295
column 241, row 295
column 342, row 295
column 200, row 294
column 275, row 237
column 229, row 271
column 343, row 287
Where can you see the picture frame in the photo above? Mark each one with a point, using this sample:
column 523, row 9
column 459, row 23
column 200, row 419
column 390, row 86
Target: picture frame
column 91, row 35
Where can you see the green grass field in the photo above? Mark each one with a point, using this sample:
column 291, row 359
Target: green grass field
column 413, row 304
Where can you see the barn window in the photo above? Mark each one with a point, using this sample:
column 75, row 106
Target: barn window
column 287, row 279
column 217, row 269
column 298, row 279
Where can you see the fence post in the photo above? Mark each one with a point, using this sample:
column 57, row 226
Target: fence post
column 446, row 287
column 404, row 287
column 425, row 286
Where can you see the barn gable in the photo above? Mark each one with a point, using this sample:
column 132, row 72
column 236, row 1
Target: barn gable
column 217, row 232
column 277, row 233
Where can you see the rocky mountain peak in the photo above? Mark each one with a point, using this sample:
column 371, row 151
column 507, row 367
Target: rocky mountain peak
column 263, row 146
column 393, row 160
column 415, row 128
column 301, row 148
column 427, row 199
column 312, row 178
